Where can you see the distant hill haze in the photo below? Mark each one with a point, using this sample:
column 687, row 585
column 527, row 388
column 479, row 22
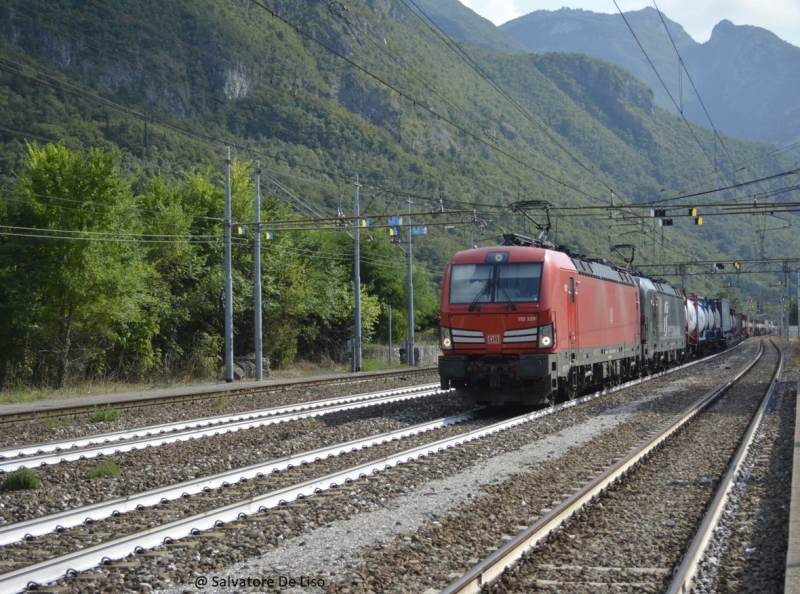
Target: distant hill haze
column 748, row 78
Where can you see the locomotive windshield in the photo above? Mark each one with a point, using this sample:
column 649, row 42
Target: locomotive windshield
column 495, row 283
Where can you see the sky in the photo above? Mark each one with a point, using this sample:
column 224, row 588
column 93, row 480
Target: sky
column 697, row 17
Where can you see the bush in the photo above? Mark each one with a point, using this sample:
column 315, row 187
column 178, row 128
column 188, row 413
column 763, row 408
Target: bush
column 101, row 415
column 20, row 479
column 105, row 468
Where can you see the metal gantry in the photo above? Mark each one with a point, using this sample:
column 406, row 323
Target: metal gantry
column 720, row 266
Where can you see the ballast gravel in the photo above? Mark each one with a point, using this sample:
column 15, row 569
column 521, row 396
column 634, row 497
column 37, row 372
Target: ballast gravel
column 748, row 553
column 416, row 528
column 313, row 554
column 62, row 428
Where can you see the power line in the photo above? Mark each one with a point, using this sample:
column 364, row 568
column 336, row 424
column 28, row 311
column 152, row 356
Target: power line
column 416, row 101
column 699, row 98
column 111, row 206
column 655, row 70
column 105, row 233
column 485, row 76
column 107, row 239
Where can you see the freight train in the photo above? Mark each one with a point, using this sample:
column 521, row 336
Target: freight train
column 526, row 324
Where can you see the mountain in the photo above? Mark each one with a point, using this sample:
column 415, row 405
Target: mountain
column 141, row 99
column 323, row 92
column 606, row 36
column 749, row 81
column 746, row 76
column 460, row 22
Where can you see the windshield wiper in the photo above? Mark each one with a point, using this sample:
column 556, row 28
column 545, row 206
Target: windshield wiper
column 478, row 296
column 508, row 299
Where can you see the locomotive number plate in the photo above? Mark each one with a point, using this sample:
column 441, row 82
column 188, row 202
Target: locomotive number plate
column 493, row 339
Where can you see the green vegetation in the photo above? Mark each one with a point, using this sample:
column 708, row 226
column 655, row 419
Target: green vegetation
column 104, row 468
column 111, row 261
column 54, row 423
column 104, row 415
column 375, row 365
column 21, row 479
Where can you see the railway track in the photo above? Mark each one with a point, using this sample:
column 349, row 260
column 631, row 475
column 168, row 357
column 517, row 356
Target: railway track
column 10, row 414
column 93, row 446
column 628, row 526
column 391, row 453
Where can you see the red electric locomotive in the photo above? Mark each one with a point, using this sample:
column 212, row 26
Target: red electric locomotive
column 523, row 324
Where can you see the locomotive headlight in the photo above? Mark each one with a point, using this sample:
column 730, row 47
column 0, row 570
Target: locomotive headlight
column 445, row 340
column 546, row 336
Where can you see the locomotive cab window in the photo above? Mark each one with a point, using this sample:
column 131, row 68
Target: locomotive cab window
column 470, row 283
column 495, row 283
column 519, row 281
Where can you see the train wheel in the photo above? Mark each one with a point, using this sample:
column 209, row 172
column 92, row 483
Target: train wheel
column 565, row 391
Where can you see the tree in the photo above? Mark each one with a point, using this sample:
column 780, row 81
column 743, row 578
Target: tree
column 77, row 285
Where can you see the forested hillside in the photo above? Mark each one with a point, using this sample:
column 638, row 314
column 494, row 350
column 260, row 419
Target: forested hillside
column 116, row 115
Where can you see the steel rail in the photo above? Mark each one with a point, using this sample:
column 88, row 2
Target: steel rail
column 59, row 457
column 218, row 420
column 35, row 527
column 91, row 557
column 195, row 394
column 687, row 571
column 491, row 569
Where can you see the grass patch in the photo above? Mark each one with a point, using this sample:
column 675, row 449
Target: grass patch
column 220, row 401
column 104, row 468
column 21, row 395
column 21, row 479
column 103, row 415
column 55, row 422
column 376, row 365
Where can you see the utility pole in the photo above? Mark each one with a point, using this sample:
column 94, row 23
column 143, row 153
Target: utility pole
column 390, row 331
column 788, row 296
column 228, row 278
column 357, row 276
column 257, row 274
column 410, row 345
